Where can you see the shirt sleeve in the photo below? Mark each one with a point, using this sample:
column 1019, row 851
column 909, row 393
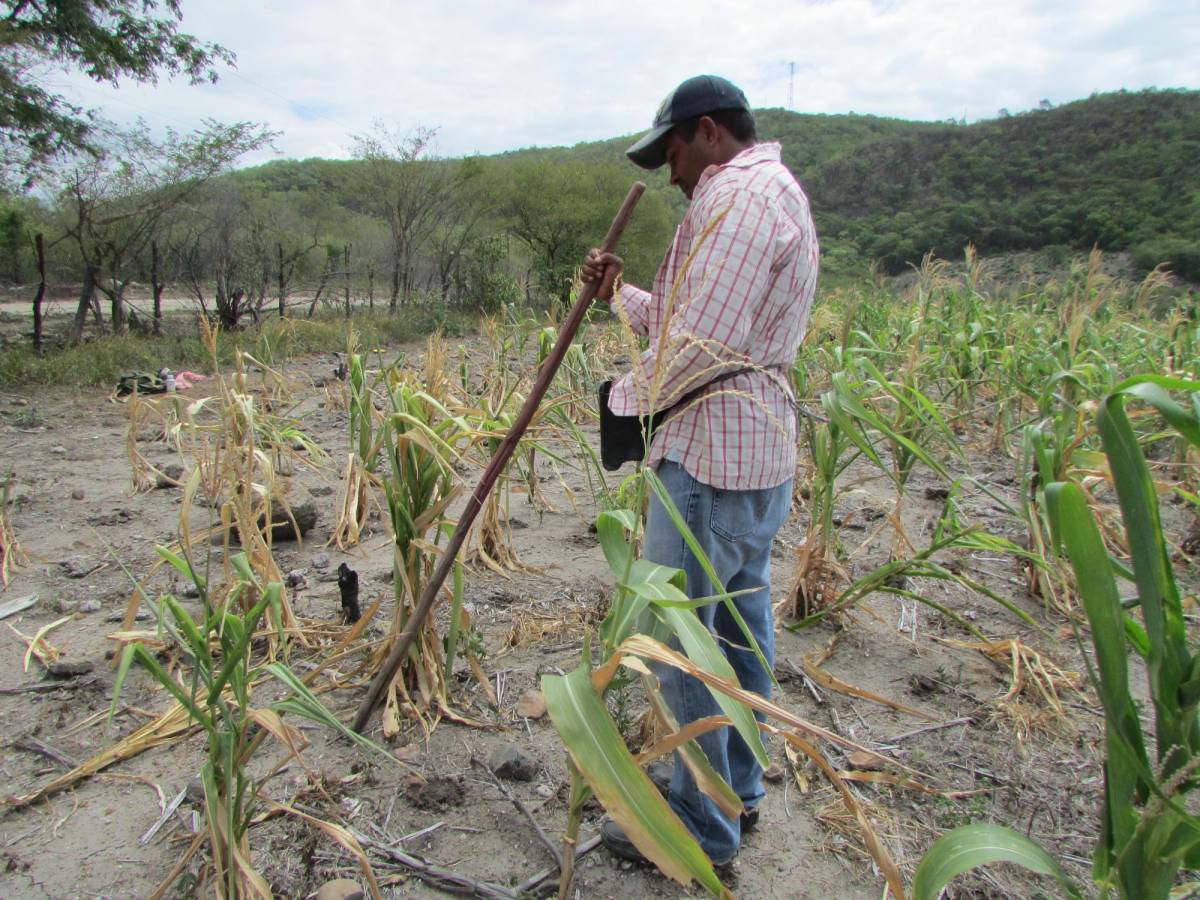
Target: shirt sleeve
column 634, row 303
column 711, row 306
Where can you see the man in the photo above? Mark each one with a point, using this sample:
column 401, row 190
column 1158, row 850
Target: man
column 738, row 310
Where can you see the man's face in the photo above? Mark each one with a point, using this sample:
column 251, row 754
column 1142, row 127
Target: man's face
column 688, row 160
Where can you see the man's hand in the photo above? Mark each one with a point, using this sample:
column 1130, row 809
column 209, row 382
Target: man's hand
column 604, row 268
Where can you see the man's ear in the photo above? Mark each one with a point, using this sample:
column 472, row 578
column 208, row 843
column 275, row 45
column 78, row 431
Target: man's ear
column 708, row 129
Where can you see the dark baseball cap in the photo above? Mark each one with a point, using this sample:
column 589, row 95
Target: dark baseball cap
column 695, row 97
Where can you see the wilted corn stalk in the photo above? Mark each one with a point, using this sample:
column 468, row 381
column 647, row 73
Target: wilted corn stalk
column 362, row 461
column 10, row 550
column 818, row 575
column 420, row 443
column 234, row 445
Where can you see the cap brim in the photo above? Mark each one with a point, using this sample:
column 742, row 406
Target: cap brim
column 650, row 152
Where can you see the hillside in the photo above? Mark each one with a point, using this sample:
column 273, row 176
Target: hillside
column 1120, row 170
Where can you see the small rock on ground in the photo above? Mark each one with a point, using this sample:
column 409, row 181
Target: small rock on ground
column 170, row 476
column 512, row 763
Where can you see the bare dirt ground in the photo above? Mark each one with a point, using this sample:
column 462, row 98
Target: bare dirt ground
column 77, row 516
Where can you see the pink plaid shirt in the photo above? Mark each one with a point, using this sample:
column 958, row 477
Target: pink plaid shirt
column 744, row 300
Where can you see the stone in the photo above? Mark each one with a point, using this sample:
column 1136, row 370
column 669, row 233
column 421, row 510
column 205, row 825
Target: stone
column 513, row 764
column 89, row 606
column 190, row 590
column 532, row 704
column 67, row 606
column 118, row 615
column 65, row 669
column 295, row 579
column 297, row 499
column 78, row 494
column 77, row 568
column 58, row 450
column 194, row 790
column 340, row 889
column 773, row 773
column 321, row 561
column 861, row 759
column 321, row 490
column 170, row 476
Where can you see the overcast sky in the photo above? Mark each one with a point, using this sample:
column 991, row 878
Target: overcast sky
column 492, row 75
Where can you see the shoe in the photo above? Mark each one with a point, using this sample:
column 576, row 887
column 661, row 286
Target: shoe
column 613, row 837
column 660, row 775
column 749, row 820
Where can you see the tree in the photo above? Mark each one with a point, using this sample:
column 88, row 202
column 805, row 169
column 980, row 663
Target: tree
column 560, row 208
column 404, row 187
column 106, row 40
column 459, row 224
column 113, row 204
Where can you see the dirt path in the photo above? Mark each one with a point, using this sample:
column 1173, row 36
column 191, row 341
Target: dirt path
column 76, row 515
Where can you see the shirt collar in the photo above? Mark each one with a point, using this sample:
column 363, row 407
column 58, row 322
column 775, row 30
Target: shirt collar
column 751, row 156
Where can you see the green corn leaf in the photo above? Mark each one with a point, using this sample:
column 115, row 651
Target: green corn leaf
column 1126, row 745
column 701, row 648
column 1162, row 611
column 662, row 593
column 971, row 846
column 652, row 573
column 183, row 567
column 1153, row 389
column 599, row 752
column 612, row 528
column 122, row 671
column 304, row 703
column 239, row 632
column 187, row 701
column 623, row 619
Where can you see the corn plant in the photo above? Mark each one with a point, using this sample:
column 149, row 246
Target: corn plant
column 830, row 453
column 419, row 442
column 362, row 460
column 218, row 646
column 1147, row 834
column 898, row 411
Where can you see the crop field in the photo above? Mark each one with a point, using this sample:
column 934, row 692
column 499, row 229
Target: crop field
column 985, row 601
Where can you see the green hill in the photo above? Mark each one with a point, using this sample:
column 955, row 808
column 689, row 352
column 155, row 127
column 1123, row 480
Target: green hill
column 1119, row 170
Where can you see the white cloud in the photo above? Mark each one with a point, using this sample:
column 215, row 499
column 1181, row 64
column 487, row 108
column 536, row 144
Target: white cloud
column 494, row 76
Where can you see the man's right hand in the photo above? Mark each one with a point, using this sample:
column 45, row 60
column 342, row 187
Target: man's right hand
column 604, row 268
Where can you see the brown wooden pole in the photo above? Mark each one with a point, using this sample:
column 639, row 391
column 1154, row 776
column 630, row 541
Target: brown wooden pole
column 40, row 250
column 503, row 453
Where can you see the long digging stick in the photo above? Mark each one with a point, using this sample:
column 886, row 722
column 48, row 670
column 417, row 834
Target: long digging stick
column 550, row 366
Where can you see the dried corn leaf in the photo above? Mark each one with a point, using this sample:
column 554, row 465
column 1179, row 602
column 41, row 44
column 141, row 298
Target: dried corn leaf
column 164, row 729
column 830, row 682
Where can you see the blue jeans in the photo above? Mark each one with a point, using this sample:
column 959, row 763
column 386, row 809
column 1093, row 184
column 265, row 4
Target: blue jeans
column 735, row 529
